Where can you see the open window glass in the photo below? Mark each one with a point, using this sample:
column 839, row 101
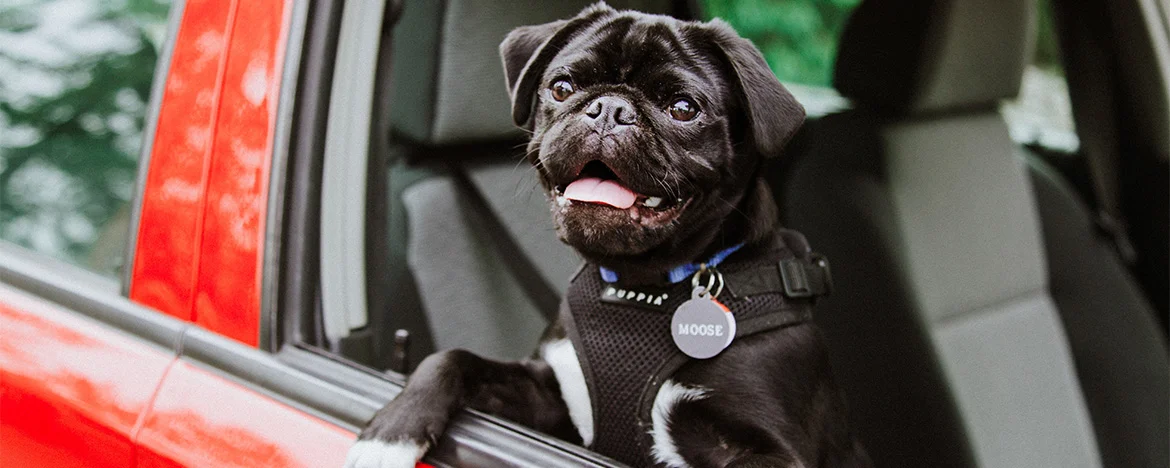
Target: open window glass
column 74, row 118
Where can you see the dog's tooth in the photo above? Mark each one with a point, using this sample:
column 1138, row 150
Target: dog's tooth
column 562, row 201
column 652, row 202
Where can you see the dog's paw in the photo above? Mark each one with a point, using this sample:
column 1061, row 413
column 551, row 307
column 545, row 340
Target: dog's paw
column 373, row 453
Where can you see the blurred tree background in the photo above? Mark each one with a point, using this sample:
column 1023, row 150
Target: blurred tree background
column 1047, row 54
column 75, row 79
column 799, row 37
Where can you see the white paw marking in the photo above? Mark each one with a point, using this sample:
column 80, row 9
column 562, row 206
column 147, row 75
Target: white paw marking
column 378, row 454
column 562, row 358
column 669, row 396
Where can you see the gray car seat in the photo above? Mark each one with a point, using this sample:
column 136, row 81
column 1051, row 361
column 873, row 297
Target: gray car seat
column 977, row 321
column 449, row 113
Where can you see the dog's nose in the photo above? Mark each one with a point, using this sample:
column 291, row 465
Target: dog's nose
column 611, row 111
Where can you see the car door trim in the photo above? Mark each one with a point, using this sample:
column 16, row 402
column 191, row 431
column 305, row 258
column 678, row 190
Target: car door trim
column 87, row 293
column 282, row 152
column 472, row 439
column 345, row 171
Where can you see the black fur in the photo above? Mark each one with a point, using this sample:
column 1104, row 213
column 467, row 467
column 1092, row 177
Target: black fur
column 771, row 402
column 712, row 161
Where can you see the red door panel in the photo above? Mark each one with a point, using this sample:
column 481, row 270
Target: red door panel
column 166, row 257
column 227, row 288
column 202, row 419
column 71, row 389
column 202, row 228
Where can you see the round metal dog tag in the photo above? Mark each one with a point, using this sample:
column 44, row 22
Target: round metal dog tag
column 701, row 326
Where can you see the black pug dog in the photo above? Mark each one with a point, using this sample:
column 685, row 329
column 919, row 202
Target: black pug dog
column 686, row 338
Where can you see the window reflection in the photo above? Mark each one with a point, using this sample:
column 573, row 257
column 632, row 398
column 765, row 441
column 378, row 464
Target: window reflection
column 75, row 79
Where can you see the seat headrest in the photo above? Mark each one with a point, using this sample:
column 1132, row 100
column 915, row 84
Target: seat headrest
column 446, row 78
column 916, row 56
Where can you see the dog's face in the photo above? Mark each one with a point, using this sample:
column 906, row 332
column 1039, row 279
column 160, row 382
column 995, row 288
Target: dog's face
column 646, row 130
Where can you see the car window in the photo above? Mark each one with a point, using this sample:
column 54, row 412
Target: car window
column 75, row 80
column 799, row 39
column 1041, row 114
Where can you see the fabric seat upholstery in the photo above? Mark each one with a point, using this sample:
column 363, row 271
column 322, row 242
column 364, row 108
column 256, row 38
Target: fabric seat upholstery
column 836, row 194
column 1120, row 355
column 953, row 332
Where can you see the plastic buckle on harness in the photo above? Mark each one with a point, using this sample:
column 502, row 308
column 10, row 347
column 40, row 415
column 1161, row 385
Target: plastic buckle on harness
column 806, row 278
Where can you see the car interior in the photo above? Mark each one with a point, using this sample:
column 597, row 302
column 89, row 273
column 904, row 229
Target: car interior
column 981, row 315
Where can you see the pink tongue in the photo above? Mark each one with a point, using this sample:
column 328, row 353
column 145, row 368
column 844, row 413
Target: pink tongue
column 594, row 190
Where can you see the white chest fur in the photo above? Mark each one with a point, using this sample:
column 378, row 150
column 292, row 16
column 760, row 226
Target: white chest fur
column 562, row 358
column 669, row 396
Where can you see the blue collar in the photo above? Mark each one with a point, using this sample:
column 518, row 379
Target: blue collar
column 680, row 272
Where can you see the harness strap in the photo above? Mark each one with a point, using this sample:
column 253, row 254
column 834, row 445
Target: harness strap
column 797, row 278
column 771, row 321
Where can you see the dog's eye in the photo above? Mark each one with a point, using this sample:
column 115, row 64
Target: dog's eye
column 683, row 110
column 561, row 90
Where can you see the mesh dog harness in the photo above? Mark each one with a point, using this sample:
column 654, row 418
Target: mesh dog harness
column 623, row 340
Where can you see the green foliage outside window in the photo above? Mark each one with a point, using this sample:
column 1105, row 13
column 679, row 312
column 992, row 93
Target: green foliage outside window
column 75, row 80
column 797, row 37
column 1047, row 54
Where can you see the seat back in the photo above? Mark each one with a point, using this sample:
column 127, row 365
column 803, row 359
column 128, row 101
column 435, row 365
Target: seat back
column 946, row 337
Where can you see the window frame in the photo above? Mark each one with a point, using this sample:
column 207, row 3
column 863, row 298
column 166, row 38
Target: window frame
column 346, row 172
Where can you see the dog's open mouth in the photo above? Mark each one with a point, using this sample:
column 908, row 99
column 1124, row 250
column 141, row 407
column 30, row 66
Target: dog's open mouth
column 597, row 186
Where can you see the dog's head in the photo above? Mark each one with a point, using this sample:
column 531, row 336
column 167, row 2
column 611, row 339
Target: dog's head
column 646, row 130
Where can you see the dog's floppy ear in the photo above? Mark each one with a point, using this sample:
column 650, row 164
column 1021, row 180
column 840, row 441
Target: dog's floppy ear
column 527, row 51
column 774, row 114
